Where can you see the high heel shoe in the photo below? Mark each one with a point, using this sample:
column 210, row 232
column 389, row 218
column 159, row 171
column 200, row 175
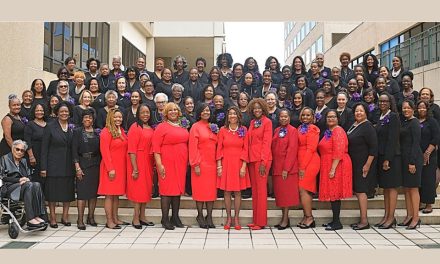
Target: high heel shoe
column 311, row 225
column 405, row 223
column 136, row 226
column 65, row 223
column 53, row 225
column 209, row 222
column 176, row 222
column 410, row 227
column 227, row 226
column 91, row 221
column 393, row 224
column 81, row 226
column 167, row 225
column 237, row 225
column 358, row 227
column 115, row 227
column 146, row 223
column 201, row 222
column 280, row 227
column 334, row 226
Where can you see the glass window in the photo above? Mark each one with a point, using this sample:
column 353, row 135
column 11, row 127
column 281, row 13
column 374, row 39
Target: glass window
column 307, row 28
column 303, row 31
column 78, row 40
column 313, row 51
column 130, row 53
column 312, row 24
column 319, row 45
column 384, row 47
column 294, row 44
column 394, row 42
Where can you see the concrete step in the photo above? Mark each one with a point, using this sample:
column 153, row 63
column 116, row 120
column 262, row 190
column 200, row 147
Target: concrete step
column 188, row 203
column 188, row 216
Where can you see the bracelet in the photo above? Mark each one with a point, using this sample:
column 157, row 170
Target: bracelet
column 135, row 171
column 219, row 167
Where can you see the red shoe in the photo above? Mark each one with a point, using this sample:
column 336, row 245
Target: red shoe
column 227, row 226
column 251, row 225
column 237, row 225
column 256, row 227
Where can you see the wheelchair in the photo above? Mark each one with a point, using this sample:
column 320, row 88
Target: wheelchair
column 12, row 213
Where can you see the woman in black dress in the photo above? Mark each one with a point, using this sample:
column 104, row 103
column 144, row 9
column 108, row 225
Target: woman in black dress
column 132, row 78
column 224, row 63
column 354, row 95
column 369, row 99
column 93, row 66
column 237, row 74
column 98, row 98
column 79, row 87
column 106, row 80
column 123, row 95
column 33, row 135
column 38, row 89
column 315, row 78
column 272, row 64
column 268, row 85
column 85, row 100
column 297, row 106
column 180, row 75
column 62, row 74
column 412, row 163
column 371, row 65
column 284, row 98
column 320, row 112
column 215, row 81
column 388, row 161
column 26, row 105
column 249, row 85
column 346, row 118
column 218, row 112
column 298, row 67
column 273, row 111
column 57, row 163
column 397, row 69
column 130, row 112
column 430, row 132
column 362, row 147
column 12, row 125
column 251, row 65
column 164, row 86
column 392, row 85
column 243, row 101
column 407, row 93
column 147, row 92
column 194, row 86
column 287, row 80
column 86, row 156
column 301, row 84
column 177, row 91
column 53, row 101
column 330, row 94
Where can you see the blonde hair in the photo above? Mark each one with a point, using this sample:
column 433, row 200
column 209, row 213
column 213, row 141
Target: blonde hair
column 168, row 108
column 82, row 95
column 110, row 124
column 79, row 74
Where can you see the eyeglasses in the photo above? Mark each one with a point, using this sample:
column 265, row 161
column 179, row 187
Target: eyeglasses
column 61, row 86
column 19, row 150
column 331, row 117
column 384, row 101
column 160, row 102
column 63, row 73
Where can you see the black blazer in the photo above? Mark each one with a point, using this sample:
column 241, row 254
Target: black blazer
column 346, row 119
column 56, row 151
column 193, row 89
column 182, row 78
column 388, row 137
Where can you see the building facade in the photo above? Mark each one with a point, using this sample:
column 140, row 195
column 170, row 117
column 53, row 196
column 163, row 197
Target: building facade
column 37, row 50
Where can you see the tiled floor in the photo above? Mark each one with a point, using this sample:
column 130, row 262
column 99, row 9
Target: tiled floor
column 196, row 238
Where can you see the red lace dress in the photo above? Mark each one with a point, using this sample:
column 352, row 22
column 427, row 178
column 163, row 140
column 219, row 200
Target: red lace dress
column 335, row 146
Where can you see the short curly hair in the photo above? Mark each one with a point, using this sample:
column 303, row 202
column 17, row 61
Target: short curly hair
column 259, row 101
column 185, row 62
column 228, row 58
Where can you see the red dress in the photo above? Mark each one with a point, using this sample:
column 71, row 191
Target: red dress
column 139, row 143
column 114, row 157
column 285, row 158
column 335, row 147
column 171, row 143
column 260, row 140
column 202, row 145
column 232, row 149
column 308, row 158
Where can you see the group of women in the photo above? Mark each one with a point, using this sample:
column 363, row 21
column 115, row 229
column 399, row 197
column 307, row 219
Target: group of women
column 330, row 132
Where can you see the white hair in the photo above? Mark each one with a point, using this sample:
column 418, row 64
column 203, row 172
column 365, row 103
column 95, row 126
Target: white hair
column 160, row 94
column 20, row 142
column 116, row 57
column 110, row 92
column 177, row 85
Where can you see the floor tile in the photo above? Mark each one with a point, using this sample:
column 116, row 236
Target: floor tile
column 142, row 246
column 46, row 245
column 70, row 246
column 94, row 246
column 118, row 246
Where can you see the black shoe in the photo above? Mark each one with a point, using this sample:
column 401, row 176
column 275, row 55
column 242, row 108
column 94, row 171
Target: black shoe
column 280, row 227
column 201, row 222
column 176, row 222
column 367, row 226
column 311, row 225
column 409, row 227
column 81, row 226
column 393, row 224
column 334, row 226
column 405, row 223
column 325, row 225
column 354, row 225
column 167, row 225
column 91, row 221
column 65, row 223
column 34, row 226
column 136, row 226
column 276, row 226
column 53, row 225
column 378, row 225
column 146, row 223
column 246, row 196
column 209, row 223
column 115, row 227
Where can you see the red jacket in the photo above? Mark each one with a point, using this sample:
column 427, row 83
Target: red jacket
column 260, row 141
column 285, row 151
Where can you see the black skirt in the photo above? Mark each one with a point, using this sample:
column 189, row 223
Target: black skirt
column 391, row 178
column 428, row 186
column 59, row 189
column 87, row 188
column 411, row 180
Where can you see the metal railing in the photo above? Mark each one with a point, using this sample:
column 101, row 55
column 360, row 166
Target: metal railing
column 417, row 51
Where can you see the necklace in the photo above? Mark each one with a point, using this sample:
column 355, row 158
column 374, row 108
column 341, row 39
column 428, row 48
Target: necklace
column 64, row 129
column 354, row 126
column 233, row 130
column 103, row 84
column 395, row 73
column 172, row 123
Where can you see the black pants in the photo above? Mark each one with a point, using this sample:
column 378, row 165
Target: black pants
column 32, row 196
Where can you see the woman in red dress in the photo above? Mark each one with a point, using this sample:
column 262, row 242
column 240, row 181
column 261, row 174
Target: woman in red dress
column 140, row 165
column 285, row 167
column 113, row 169
column 335, row 181
column 170, row 148
column 232, row 158
column 260, row 158
column 202, row 146
column 308, row 164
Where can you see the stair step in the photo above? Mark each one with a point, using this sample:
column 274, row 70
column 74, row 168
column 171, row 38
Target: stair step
column 188, row 216
column 188, row 203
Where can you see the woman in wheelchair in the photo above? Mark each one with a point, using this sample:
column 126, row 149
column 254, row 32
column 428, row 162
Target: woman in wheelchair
column 18, row 187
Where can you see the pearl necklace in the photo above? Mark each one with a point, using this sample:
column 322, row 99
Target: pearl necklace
column 233, row 130
column 172, row 123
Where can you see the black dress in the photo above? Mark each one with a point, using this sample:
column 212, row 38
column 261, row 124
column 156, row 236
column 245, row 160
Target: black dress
column 101, row 117
column 181, row 78
column 150, row 102
column 320, row 121
column 124, row 100
column 430, row 136
column 75, row 95
column 156, row 118
column 246, row 119
column 85, row 151
column 294, row 117
column 387, row 131
column 56, row 160
column 373, row 113
column 275, row 118
column 362, row 143
column 130, row 88
column 129, row 119
column 78, row 112
column 33, row 135
column 98, row 102
column 410, row 137
column 309, row 97
column 25, row 112
column 17, row 132
column 107, row 82
column 164, row 88
column 346, row 118
column 193, row 89
column 400, row 97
